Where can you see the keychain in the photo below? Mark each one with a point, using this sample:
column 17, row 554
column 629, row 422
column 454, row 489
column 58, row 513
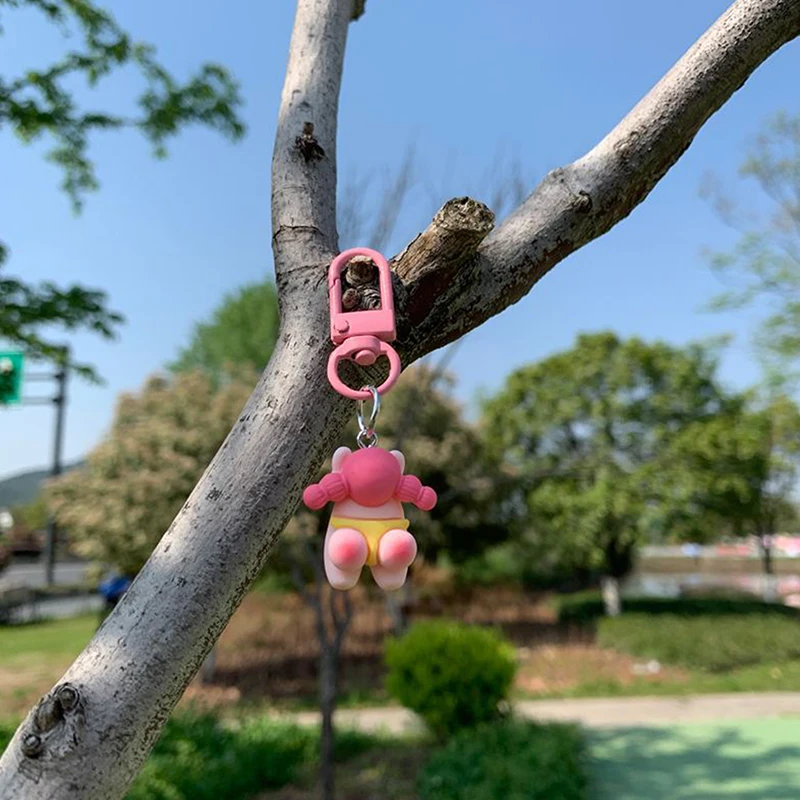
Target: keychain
column 367, row 486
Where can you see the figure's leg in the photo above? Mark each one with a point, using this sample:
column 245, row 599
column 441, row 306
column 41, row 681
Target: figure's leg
column 396, row 550
column 345, row 555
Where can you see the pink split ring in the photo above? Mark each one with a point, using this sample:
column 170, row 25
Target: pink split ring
column 363, row 350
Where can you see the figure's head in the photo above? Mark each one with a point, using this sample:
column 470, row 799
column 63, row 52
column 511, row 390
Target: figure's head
column 372, row 474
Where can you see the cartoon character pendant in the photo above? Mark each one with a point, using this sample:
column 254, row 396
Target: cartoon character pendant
column 367, row 487
column 367, row 523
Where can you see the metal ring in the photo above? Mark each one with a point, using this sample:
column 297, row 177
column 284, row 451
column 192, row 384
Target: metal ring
column 366, row 430
column 367, row 439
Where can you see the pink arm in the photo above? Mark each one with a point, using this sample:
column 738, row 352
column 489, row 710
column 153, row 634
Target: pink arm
column 331, row 487
column 411, row 490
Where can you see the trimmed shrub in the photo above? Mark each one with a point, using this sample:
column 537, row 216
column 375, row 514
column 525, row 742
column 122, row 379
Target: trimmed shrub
column 587, row 607
column 454, row 676
column 198, row 758
column 708, row 643
column 509, row 760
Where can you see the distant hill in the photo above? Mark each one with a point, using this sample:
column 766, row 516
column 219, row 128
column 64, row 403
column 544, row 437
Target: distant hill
column 24, row 487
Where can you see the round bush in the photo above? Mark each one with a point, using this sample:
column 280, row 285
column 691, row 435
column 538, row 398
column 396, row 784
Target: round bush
column 454, row 676
column 509, row 760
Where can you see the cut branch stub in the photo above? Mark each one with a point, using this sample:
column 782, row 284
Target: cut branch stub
column 56, row 726
column 453, row 236
column 429, row 263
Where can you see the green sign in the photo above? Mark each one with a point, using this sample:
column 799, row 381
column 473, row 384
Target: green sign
column 11, row 378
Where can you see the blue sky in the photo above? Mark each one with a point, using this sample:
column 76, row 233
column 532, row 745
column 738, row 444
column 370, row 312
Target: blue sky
column 460, row 80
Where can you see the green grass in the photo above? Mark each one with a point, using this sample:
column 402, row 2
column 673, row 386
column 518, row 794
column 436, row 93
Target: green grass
column 771, row 677
column 52, row 638
column 710, row 643
column 742, row 760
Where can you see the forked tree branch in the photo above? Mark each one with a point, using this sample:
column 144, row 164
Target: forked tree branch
column 122, row 688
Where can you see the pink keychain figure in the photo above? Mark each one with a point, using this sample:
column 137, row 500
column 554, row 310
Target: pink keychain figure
column 367, row 487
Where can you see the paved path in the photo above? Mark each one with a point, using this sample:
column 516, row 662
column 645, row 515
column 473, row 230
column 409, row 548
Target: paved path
column 708, row 747
column 60, row 608
column 753, row 759
column 622, row 712
column 33, row 574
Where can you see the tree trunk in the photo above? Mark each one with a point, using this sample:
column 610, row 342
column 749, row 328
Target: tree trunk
column 89, row 736
column 612, row 603
column 765, row 545
column 328, row 681
column 395, row 608
column 769, row 581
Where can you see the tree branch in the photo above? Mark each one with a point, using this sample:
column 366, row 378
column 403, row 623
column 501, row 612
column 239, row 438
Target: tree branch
column 133, row 671
column 576, row 204
column 341, row 621
column 304, row 158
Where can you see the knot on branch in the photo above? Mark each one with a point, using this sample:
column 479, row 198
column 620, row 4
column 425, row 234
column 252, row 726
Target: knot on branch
column 307, row 144
column 583, row 202
column 56, row 725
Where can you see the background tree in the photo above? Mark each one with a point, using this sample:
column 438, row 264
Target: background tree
column 117, row 506
column 301, row 552
column 39, row 104
column 735, row 473
column 240, row 334
column 454, row 277
column 586, row 430
column 32, row 516
column 764, row 266
column 29, row 314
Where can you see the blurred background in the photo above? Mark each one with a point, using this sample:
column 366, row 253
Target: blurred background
column 616, row 455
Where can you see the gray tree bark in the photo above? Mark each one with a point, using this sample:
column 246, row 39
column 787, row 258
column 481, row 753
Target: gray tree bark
column 90, row 735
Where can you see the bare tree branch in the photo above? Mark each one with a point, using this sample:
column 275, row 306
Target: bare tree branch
column 128, row 679
column 576, row 204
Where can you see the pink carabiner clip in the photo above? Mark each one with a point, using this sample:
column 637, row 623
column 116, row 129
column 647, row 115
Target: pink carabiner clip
column 361, row 336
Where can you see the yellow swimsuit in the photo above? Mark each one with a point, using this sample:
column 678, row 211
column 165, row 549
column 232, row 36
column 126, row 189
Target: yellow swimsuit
column 372, row 530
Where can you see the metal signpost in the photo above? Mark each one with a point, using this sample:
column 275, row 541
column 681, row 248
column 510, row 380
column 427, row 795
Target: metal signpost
column 11, row 379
